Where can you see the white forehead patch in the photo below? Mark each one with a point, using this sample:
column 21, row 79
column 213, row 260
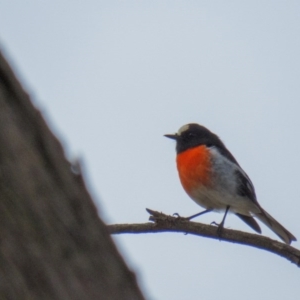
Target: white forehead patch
column 183, row 128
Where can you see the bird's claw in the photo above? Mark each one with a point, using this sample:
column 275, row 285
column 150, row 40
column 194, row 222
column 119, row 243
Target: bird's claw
column 220, row 227
column 214, row 223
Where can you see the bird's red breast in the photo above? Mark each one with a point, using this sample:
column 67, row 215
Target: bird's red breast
column 194, row 168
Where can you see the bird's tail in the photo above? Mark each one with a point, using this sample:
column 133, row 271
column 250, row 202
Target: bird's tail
column 276, row 227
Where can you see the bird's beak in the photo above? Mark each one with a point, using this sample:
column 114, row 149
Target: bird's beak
column 172, row 136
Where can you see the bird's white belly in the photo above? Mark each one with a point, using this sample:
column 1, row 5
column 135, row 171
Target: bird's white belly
column 218, row 200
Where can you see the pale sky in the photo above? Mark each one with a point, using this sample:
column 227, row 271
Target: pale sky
column 112, row 77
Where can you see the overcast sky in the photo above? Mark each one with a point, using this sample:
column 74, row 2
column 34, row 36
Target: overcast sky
column 111, row 77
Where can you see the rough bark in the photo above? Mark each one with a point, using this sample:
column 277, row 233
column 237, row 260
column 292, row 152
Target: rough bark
column 53, row 244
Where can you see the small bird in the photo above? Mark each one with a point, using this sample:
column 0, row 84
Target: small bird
column 212, row 177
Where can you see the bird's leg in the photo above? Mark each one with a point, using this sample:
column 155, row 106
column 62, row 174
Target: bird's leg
column 193, row 216
column 199, row 214
column 221, row 225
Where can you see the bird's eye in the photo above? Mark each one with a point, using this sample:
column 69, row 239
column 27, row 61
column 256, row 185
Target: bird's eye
column 191, row 135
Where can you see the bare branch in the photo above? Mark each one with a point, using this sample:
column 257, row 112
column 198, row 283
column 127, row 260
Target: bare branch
column 165, row 223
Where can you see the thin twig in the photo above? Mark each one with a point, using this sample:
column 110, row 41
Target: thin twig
column 165, row 223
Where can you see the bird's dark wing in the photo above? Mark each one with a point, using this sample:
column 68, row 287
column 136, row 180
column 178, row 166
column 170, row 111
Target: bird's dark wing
column 245, row 186
column 246, row 189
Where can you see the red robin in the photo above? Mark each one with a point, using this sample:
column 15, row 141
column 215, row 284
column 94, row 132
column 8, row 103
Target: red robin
column 212, row 177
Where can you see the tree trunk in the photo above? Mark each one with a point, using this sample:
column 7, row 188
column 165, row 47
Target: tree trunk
column 53, row 244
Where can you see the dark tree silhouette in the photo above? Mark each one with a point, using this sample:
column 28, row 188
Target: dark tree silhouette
column 53, row 244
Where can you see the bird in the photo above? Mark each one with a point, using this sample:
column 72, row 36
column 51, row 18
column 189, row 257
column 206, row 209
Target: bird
column 213, row 178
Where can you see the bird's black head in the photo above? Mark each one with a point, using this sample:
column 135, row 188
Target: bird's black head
column 192, row 135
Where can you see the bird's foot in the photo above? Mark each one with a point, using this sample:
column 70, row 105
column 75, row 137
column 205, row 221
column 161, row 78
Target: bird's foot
column 180, row 218
column 220, row 227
